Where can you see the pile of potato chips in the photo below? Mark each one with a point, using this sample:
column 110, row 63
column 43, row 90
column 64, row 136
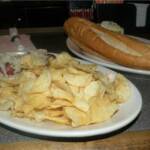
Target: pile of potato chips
column 63, row 90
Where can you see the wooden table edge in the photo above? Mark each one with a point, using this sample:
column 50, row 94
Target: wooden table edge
column 135, row 140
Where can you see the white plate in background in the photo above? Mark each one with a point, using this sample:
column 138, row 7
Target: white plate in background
column 102, row 61
column 128, row 111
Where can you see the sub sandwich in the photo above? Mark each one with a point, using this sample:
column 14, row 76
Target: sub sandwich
column 116, row 47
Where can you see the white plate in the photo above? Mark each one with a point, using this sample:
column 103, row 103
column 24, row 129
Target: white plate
column 127, row 113
column 101, row 61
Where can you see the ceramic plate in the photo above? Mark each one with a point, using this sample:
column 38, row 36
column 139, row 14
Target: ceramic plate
column 128, row 111
column 102, row 61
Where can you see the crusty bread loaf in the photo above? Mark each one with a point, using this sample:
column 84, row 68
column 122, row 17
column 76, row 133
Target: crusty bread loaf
column 117, row 47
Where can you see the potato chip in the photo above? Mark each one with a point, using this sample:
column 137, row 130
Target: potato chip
column 38, row 70
column 58, row 103
column 31, row 102
column 74, row 89
column 77, row 79
column 18, row 104
column 60, row 119
column 26, row 61
column 93, row 89
column 63, row 58
column 75, row 71
column 53, row 112
column 121, row 88
column 26, row 75
column 81, row 104
column 60, row 93
column 77, row 117
column 38, row 101
column 34, row 59
column 25, row 87
column 26, row 80
column 60, row 61
column 88, row 68
column 57, row 74
column 18, row 114
column 27, row 109
column 56, row 115
column 42, row 83
column 101, row 109
column 7, row 98
column 46, row 113
column 101, row 77
column 4, row 81
column 7, row 91
column 6, row 104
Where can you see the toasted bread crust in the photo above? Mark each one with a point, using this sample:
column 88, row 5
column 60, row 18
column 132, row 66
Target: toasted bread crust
column 88, row 35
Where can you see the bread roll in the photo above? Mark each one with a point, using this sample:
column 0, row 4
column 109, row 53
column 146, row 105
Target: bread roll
column 117, row 47
column 112, row 26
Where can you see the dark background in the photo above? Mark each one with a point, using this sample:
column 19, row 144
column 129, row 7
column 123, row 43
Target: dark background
column 29, row 14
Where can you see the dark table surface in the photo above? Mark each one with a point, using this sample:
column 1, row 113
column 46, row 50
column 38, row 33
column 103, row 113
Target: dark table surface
column 56, row 42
